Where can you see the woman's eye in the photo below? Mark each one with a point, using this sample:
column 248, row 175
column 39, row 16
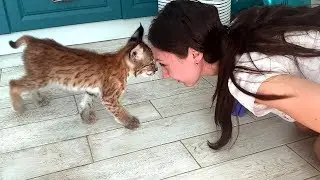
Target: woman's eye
column 161, row 64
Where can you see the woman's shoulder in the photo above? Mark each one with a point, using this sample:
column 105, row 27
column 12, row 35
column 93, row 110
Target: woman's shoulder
column 307, row 39
column 261, row 62
column 252, row 69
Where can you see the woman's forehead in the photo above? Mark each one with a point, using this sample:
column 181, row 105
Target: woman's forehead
column 159, row 55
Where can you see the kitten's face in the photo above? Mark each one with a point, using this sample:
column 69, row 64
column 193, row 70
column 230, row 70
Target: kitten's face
column 140, row 56
column 142, row 60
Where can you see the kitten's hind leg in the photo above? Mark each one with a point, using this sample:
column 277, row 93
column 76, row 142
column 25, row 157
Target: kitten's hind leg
column 87, row 112
column 39, row 99
column 26, row 83
column 16, row 99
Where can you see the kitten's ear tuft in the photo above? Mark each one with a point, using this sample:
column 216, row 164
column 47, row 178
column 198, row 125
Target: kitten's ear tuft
column 137, row 35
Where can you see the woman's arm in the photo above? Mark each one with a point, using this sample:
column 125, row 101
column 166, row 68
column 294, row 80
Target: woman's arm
column 303, row 106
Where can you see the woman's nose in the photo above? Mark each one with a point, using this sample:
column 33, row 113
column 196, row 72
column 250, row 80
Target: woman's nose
column 165, row 73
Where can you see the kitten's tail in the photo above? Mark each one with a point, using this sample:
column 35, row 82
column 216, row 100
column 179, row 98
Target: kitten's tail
column 22, row 40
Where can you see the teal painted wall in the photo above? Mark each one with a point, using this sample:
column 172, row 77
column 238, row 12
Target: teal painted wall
column 139, row 8
column 238, row 5
column 36, row 14
column 299, row 2
column 4, row 27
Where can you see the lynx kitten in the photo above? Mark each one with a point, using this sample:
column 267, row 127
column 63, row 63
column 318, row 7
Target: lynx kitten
column 103, row 76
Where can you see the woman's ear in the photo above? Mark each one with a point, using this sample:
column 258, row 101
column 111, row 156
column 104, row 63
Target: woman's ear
column 196, row 55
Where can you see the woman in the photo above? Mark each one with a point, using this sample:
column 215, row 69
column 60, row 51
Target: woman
column 268, row 59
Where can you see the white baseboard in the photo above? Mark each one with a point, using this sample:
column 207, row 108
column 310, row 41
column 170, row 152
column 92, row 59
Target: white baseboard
column 80, row 33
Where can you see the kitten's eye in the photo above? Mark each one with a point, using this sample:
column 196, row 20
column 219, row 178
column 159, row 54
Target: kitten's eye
column 162, row 64
column 134, row 53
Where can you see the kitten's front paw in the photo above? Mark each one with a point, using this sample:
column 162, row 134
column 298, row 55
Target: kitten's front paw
column 132, row 123
column 18, row 105
column 88, row 116
column 19, row 108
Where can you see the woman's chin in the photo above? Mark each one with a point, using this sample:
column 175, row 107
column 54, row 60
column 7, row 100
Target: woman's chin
column 188, row 84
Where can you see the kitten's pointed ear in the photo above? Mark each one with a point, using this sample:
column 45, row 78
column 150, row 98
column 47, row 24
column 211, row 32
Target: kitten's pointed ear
column 137, row 35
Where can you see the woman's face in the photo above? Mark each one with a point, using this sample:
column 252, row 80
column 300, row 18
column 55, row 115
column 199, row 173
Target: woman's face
column 185, row 70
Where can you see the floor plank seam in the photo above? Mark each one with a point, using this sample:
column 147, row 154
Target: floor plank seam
column 50, row 119
column 125, row 104
column 120, row 127
column 209, row 82
column 190, row 154
column 77, row 105
column 143, row 149
column 250, row 154
column 302, row 158
column 46, row 144
column 152, row 99
column 112, row 158
column 92, row 160
column 59, row 171
column 302, row 139
column 112, row 129
column 222, row 162
column 179, row 114
column 181, row 173
column 311, row 177
column 156, row 109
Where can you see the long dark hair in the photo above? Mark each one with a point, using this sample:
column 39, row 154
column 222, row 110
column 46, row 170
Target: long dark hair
column 183, row 24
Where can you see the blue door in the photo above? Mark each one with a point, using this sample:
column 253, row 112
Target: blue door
column 139, row 8
column 299, row 2
column 35, row 14
column 4, row 27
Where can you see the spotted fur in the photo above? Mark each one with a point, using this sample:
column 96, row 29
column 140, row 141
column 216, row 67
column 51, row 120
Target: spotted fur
column 103, row 76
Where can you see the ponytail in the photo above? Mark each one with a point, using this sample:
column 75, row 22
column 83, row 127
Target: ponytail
column 258, row 29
